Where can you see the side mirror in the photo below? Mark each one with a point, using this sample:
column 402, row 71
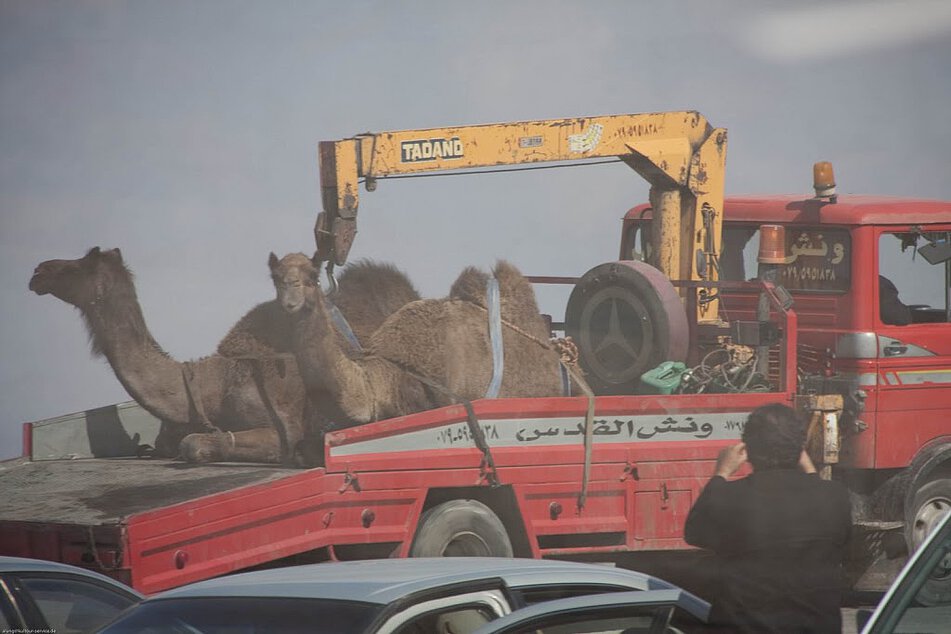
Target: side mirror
column 936, row 252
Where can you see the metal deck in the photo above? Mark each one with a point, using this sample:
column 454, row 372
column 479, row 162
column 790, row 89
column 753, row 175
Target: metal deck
column 106, row 491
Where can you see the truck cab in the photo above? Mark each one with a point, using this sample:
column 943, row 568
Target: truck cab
column 870, row 280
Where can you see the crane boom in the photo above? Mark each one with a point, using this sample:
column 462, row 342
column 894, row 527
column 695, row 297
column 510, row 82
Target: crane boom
column 680, row 154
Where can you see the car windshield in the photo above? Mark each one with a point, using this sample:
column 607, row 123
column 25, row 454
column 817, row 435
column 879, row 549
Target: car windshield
column 245, row 615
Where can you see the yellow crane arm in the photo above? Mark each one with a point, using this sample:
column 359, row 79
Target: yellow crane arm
column 679, row 153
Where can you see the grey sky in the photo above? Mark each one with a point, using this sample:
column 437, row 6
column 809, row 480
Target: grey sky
column 185, row 133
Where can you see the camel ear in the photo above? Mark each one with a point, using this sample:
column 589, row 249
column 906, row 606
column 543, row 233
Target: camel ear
column 93, row 251
column 314, row 276
column 272, row 261
column 117, row 253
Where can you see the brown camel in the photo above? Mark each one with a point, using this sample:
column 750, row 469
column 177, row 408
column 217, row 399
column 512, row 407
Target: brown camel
column 368, row 292
column 258, row 406
column 446, row 341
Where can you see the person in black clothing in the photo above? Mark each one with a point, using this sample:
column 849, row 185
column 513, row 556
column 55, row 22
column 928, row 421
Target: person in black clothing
column 893, row 310
column 779, row 534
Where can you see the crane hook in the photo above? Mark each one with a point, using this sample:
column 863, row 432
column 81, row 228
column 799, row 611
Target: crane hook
column 331, row 279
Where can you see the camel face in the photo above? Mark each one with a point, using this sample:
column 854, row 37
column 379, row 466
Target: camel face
column 296, row 281
column 78, row 282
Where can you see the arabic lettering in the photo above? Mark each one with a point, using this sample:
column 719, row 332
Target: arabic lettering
column 838, row 252
column 735, row 425
column 672, row 425
column 805, row 246
column 669, row 425
column 460, row 434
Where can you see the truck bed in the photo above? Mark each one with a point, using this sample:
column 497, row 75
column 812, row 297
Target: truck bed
column 158, row 524
column 107, row 491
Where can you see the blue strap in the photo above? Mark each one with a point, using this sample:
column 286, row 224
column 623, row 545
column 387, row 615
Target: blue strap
column 495, row 336
column 565, row 380
column 344, row 328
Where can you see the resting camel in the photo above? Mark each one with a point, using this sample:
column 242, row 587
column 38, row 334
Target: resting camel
column 444, row 341
column 251, row 409
column 368, row 293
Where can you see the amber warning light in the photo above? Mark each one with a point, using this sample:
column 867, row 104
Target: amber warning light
column 772, row 244
column 823, row 180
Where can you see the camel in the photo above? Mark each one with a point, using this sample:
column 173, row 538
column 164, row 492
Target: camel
column 429, row 353
column 368, row 292
column 250, row 409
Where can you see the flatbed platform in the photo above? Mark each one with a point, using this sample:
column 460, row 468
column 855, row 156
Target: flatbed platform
column 107, row 491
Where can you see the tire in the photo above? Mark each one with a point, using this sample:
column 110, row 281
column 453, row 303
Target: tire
column 931, row 503
column 460, row 528
column 626, row 318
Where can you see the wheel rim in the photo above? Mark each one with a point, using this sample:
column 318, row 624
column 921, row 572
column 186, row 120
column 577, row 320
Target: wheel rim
column 927, row 518
column 466, row 544
column 617, row 333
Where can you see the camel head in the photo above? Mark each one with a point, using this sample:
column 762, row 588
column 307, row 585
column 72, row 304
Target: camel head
column 296, row 279
column 81, row 282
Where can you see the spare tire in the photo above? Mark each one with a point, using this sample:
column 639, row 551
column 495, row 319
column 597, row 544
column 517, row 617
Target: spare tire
column 626, row 318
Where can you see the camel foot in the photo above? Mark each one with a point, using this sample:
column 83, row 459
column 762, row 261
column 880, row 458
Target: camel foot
column 204, row 447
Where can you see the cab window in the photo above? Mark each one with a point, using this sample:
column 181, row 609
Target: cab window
column 914, row 273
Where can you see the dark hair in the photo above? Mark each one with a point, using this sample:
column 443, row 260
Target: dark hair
column 774, row 436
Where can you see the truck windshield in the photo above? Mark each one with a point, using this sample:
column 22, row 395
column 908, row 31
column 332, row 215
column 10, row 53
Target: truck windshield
column 245, row 615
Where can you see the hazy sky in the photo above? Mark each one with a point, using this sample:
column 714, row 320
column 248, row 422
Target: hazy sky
column 185, row 133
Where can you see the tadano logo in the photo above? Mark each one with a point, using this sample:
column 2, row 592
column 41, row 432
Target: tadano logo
column 430, row 150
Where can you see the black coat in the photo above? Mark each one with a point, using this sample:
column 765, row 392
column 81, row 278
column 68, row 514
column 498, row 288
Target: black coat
column 780, row 538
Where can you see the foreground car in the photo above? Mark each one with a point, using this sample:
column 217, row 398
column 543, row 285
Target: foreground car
column 920, row 598
column 405, row 596
column 45, row 596
column 661, row 611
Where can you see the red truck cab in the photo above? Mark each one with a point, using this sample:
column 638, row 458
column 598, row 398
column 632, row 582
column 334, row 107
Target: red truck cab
column 890, row 357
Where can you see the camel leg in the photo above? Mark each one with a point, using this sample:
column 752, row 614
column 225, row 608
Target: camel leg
column 169, row 438
column 253, row 445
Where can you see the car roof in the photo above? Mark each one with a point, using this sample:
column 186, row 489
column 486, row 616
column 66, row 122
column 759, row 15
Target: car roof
column 22, row 564
column 600, row 602
column 383, row 581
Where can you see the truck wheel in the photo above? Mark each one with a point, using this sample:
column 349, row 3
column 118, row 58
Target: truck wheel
column 626, row 318
column 460, row 528
column 930, row 504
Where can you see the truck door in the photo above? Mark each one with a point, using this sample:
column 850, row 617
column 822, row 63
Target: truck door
column 914, row 341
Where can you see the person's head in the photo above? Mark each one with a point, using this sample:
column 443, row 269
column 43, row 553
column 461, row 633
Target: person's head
column 774, row 436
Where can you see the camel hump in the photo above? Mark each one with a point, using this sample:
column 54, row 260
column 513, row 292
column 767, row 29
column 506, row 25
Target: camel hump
column 512, row 283
column 370, row 292
column 518, row 298
column 470, row 286
column 263, row 331
column 378, row 278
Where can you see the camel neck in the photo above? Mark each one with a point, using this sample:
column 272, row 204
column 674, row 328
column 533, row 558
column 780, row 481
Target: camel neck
column 116, row 325
column 118, row 331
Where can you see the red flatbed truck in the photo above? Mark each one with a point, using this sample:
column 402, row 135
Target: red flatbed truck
column 515, row 482
column 393, row 487
column 158, row 524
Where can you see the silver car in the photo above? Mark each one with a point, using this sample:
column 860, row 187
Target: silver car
column 38, row 596
column 919, row 600
column 405, row 596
